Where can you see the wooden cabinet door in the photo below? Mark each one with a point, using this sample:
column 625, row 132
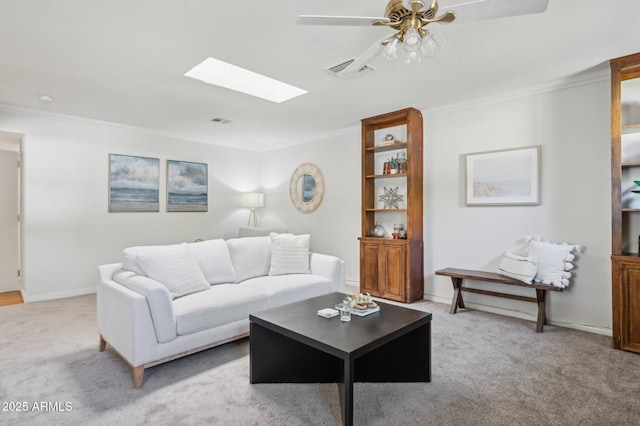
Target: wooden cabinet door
column 369, row 269
column 626, row 296
column 393, row 263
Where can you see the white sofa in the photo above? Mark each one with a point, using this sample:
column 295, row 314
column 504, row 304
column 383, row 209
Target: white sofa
column 165, row 302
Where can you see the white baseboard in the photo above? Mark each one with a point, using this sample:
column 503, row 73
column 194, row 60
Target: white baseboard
column 57, row 295
column 522, row 315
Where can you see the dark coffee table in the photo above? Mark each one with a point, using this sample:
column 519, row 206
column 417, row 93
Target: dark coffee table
column 293, row 344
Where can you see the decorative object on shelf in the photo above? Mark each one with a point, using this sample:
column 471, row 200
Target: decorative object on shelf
column 386, row 168
column 134, row 184
column 388, row 140
column 399, row 231
column 402, row 165
column 187, row 186
column 378, row 231
column 306, row 188
column 253, row 200
column 390, row 167
column 505, row 177
column 636, row 191
column 390, row 198
column 394, row 165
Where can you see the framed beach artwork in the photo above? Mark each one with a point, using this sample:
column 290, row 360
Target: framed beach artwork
column 134, row 184
column 187, row 186
column 506, row 177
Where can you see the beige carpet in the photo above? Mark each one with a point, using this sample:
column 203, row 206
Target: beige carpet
column 487, row 370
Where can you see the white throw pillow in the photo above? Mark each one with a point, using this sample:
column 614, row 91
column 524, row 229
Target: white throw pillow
column 173, row 267
column 251, row 257
column 518, row 267
column 553, row 262
column 214, row 260
column 129, row 262
column 289, row 254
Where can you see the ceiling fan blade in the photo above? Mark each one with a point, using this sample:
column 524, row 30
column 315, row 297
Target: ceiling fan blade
column 477, row 10
column 448, row 56
column 338, row 20
column 363, row 59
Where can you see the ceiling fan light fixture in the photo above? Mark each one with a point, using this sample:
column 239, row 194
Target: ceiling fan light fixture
column 390, row 51
column 411, row 39
column 429, row 46
column 413, row 58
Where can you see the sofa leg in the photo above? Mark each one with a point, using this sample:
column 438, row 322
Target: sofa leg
column 102, row 345
column 138, row 376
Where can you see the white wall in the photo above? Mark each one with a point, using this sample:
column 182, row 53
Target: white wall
column 335, row 225
column 572, row 125
column 67, row 229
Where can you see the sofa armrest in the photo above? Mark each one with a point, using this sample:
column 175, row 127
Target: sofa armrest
column 158, row 299
column 329, row 267
column 124, row 319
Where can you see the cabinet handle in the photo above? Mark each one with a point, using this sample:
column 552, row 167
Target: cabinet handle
column 617, row 271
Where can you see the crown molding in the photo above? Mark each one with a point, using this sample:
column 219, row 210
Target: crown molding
column 547, row 87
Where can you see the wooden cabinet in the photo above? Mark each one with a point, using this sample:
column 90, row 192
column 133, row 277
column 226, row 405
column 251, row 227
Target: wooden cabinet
column 392, row 268
column 625, row 203
column 626, row 303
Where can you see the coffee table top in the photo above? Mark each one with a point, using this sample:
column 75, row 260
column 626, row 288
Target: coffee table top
column 300, row 321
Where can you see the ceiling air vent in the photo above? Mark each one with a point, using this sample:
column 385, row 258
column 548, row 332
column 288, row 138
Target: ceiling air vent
column 335, row 70
column 221, row 120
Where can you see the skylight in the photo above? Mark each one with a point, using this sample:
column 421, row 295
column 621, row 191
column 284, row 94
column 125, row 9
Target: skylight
column 219, row 73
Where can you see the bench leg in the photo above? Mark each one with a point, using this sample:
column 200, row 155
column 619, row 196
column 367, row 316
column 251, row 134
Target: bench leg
column 541, row 295
column 457, row 301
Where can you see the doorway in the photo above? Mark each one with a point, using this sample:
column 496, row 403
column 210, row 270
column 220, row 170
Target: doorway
column 10, row 213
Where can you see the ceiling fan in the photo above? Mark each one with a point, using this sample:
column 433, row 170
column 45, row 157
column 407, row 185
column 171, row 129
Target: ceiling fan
column 409, row 19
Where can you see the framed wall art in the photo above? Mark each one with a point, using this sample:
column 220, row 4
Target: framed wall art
column 501, row 178
column 134, row 184
column 187, row 186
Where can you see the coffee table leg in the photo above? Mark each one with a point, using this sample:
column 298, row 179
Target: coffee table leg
column 346, row 393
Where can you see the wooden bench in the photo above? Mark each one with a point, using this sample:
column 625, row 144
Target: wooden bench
column 458, row 275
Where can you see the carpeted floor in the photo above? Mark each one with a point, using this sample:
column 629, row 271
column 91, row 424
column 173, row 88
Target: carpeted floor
column 487, row 370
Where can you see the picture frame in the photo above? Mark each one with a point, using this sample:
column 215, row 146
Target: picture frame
column 187, row 186
column 508, row 177
column 134, row 184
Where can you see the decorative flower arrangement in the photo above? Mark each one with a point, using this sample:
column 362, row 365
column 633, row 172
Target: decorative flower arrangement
column 359, row 301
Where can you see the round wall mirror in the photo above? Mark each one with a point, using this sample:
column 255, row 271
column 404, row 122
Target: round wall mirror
column 306, row 188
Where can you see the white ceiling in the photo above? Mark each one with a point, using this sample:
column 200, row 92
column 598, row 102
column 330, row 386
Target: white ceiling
column 123, row 61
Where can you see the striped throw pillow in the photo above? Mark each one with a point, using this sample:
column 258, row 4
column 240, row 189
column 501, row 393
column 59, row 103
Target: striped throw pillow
column 289, row 254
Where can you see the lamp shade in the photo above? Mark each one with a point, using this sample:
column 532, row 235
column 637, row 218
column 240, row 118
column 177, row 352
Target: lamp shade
column 253, row 199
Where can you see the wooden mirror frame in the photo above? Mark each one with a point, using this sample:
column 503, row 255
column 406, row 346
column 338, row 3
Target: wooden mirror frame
column 296, row 198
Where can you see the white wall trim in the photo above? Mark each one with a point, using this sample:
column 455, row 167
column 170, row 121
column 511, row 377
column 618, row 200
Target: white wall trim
column 522, row 315
column 57, row 295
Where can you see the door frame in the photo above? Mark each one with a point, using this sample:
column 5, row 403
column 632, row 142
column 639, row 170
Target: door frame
column 10, row 141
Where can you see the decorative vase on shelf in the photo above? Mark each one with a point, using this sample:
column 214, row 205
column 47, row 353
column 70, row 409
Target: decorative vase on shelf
column 378, row 231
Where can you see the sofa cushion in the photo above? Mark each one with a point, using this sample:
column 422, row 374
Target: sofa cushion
column 251, row 256
column 219, row 305
column 283, row 289
column 214, row 260
column 174, row 267
column 289, row 254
